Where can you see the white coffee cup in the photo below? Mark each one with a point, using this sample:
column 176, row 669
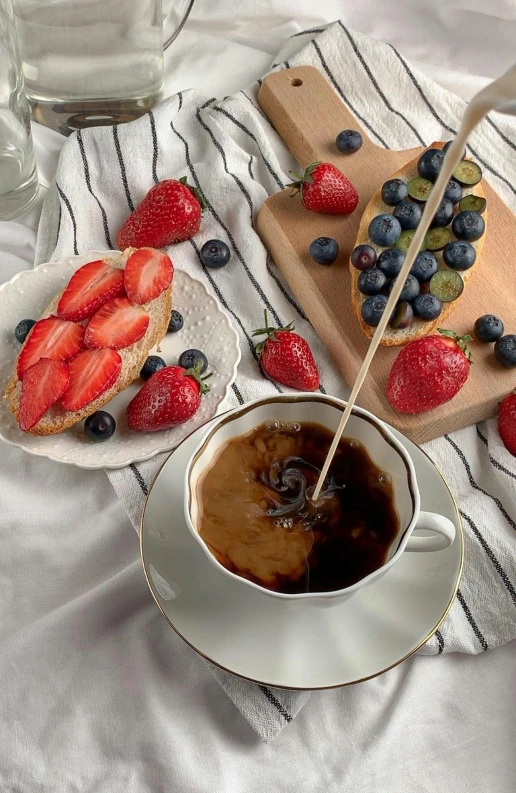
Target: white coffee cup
column 385, row 450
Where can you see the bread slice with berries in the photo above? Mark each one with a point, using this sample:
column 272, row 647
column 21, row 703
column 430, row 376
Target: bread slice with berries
column 132, row 357
column 418, row 328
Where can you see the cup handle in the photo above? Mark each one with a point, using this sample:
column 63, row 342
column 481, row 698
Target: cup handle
column 173, row 27
column 444, row 533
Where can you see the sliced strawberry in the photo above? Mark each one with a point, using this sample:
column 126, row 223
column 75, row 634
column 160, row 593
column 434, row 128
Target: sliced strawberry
column 43, row 384
column 89, row 288
column 147, row 274
column 91, row 373
column 117, row 324
column 53, row 338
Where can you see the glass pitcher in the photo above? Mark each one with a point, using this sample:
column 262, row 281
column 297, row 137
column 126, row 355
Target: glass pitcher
column 94, row 62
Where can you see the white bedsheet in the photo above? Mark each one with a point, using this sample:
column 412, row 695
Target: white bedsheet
column 125, row 712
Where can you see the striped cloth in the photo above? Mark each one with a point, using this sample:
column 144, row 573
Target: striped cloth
column 229, row 150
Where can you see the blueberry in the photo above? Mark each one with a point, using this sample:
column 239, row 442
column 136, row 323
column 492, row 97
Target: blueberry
column 488, row 328
column 384, row 230
column 22, row 329
column 453, row 191
column 153, row 364
column 427, row 307
column 371, row 282
column 444, row 214
column 410, row 289
column 430, row 163
column 409, row 214
column 324, row 250
column 175, row 322
column 390, row 262
column 505, row 350
column 468, row 226
column 394, row 191
column 215, row 253
column 348, row 141
column 189, row 358
column 363, row 256
column 373, row 308
column 459, row 255
column 447, row 146
column 100, row 426
column 424, row 267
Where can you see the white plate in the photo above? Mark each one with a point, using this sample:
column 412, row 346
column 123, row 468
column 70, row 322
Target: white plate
column 296, row 645
column 207, row 327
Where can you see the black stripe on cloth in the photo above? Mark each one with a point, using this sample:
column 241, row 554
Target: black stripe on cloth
column 259, row 81
column 122, row 168
column 440, row 641
column 72, row 218
column 208, row 103
column 477, row 487
column 469, row 617
column 253, row 138
column 139, row 478
column 250, row 167
column 58, row 225
column 307, row 32
column 90, row 189
column 343, row 96
column 446, row 126
column 497, row 129
column 154, row 147
column 272, row 699
column 496, row 464
column 377, row 87
column 180, row 103
column 237, row 393
column 260, row 111
column 496, row 564
column 286, row 64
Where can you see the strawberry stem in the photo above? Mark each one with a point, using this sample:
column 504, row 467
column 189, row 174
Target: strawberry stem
column 196, row 193
column 269, row 332
column 299, row 181
column 195, row 372
column 460, row 341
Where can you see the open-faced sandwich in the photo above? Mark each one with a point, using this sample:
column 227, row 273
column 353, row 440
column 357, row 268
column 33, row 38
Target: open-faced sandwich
column 92, row 340
column 448, row 257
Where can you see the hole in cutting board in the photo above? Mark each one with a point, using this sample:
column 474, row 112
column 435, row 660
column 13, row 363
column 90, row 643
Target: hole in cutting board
column 296, row 82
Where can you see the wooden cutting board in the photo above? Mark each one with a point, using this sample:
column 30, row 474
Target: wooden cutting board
column 308, row 115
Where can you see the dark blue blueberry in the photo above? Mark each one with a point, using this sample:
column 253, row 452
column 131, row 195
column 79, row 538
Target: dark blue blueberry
column 468, row 226
column 189, row 358
column 394, row 191
column 152, row 365
column 348, row 141
column 488, row 328
column 384, row 230
column 459, row 255
column 402, row 317
column 444, row 214
column 427, row 307
column 363, row 256
column 324, row 250
column 371, row 282
column 424, row 267
column 409, row 214
column 447, row 146
column 410, row 289
column 505, row 350
column 22, row 329
column 215, row 253
column 100, row 426
column 373, row 308
column 390, row 262
column 175, row 322
column 430, row 163
column 453, row 191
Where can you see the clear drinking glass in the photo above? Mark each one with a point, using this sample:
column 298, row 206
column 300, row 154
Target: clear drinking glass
column 94, row 62
column 18, row 177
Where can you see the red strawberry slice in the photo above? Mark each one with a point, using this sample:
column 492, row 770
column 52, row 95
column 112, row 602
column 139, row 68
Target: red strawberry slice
column 53, row 338
column 91, row 373
column 147, row 274
column 43, row 384
column 89, row 288
column 117, row 324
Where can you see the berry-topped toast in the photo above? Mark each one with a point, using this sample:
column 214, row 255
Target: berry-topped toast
column 92, row 340
column 446, row 262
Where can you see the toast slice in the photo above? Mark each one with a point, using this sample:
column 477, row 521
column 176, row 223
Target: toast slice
column 57, row 419
column 418, row 327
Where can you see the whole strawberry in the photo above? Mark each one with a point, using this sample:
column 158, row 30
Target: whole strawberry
column 507, row 422
column 170, row 397
column 428, row 372
column 287, row 358
column 325, row 189
column 170, row 212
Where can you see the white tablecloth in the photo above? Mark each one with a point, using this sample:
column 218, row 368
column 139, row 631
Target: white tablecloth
column 128, row 707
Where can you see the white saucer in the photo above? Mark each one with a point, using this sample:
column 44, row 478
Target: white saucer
column 207, row 327
column 296, row 645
